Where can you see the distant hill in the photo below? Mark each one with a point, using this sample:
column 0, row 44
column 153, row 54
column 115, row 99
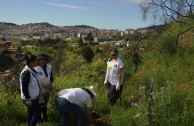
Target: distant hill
column 7, row 24
column 42, row 23
column 36, row 28
column 84, row 26
column 31, row 28
column 155, row 27
column 42, row 28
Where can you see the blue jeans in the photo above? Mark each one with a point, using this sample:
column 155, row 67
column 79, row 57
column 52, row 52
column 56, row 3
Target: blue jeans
column 66, row 108
column 33, row 113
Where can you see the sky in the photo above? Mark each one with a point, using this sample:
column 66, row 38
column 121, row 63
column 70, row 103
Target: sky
column 101, row 14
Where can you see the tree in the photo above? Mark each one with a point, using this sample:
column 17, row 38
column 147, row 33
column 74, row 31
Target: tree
column 87, row 53
column 58, row 59
column 167, row 10
column 3, row 39
column 80, row 42
column 89, row 38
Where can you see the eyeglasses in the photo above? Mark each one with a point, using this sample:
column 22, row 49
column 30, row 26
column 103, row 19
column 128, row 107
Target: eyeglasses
column 113, row 55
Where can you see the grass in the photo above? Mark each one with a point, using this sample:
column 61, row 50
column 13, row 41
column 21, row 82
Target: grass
column 169, row 103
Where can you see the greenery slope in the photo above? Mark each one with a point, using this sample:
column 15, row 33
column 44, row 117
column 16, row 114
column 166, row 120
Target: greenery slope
column 158, row 93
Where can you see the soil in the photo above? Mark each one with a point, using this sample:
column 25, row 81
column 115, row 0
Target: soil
column 6, row 62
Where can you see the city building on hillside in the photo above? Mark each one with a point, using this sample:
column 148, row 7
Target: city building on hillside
column 129, row 31
column 95, row 39
column 122, row 33
column 106, row 33
column 36, row 37
column 79, row 35
column 57, row 35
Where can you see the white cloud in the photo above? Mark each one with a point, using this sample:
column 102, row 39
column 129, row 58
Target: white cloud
column 66, row 6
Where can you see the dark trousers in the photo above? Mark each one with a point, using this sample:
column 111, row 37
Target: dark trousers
column 66, row 109
column 112, row 94
column 33, row 113
column 43, row 108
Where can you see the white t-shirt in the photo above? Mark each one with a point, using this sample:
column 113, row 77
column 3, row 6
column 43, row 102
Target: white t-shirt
column 41, row 74
column 76, row 96
column 112, row 72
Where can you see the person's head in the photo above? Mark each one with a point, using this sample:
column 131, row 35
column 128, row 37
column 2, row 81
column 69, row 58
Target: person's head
column 31, row 60
column 114, row 53
column 42, row 59
column 92, row 91
column 47, row 57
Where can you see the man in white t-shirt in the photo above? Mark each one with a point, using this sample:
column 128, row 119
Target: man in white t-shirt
column 114, row 77
column 74, row 102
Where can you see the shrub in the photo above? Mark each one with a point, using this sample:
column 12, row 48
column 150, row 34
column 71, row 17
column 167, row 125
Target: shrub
column 168, row 43
column 87, row 53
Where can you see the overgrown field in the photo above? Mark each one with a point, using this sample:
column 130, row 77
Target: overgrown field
column 158, row 93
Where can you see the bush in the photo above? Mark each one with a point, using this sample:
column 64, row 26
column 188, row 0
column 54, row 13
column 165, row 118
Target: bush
column 172, row 107
column 168, row 43
column 87, row 53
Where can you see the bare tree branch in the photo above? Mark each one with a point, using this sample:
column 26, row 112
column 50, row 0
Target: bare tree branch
column 168, row 9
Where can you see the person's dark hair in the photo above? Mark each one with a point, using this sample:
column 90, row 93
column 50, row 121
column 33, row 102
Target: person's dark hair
column 115, row 50
column 30, row 58
column 47, row 57
column 43, row 56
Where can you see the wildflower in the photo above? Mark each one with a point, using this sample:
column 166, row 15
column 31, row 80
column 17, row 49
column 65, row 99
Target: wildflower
column 137, row 115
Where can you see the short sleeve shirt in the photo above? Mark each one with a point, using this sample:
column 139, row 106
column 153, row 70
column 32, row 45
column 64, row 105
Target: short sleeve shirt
column 77, row 96
column 113, row 71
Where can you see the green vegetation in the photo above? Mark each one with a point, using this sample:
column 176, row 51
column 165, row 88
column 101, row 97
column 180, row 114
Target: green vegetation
column 158, row 93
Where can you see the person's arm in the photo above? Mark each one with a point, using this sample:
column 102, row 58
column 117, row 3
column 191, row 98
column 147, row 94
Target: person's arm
column 51, row 81
column 89, row 116
column 106, row 76
column 25, row 79
column 52, row 78
column 120, row 74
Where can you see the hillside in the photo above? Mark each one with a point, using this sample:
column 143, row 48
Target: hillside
column 158, row 93
column 36, row 28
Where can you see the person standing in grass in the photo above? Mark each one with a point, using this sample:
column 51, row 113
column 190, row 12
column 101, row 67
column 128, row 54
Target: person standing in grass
column 114, row 77
column 74, row 102
column 30, row 89
column 45, row 75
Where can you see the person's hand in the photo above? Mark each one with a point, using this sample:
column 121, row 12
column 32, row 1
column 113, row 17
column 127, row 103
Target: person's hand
column 50, row 87
column 28, row 102
column 118, row 86
column 105, row 85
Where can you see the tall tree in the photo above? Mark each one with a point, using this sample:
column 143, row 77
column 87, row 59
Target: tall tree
column 89, row 38
column 80, row 42
column 167, row 10
column 87, row 53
